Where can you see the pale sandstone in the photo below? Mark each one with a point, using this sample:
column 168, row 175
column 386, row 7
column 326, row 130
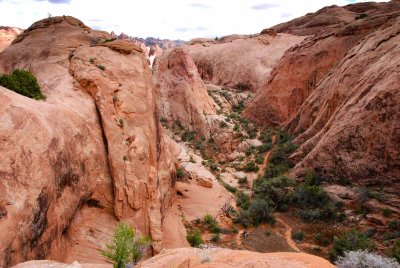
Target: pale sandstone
column 182, row 95
column 240, row 61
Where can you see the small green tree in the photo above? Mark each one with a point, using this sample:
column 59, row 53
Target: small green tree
column 126, row 246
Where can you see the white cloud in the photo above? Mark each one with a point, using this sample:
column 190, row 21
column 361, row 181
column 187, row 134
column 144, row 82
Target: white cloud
column 183, row 19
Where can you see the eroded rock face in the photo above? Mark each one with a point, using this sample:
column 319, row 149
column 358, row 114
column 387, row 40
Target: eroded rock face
column 243, row 62
column 302, row 68
column 352, row 119
column 333, row 16
column 93, row 153
column 182, row 95
column 7, row 35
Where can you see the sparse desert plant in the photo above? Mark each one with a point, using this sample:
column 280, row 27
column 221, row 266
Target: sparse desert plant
column 101, row 67
column 242, row 200
column 363, row 258
column 194, row 238
column 92, row 60
column 126, row 247
column 180, row 174
column 22, row 82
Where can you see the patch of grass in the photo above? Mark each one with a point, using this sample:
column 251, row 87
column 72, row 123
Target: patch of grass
column 22, row 82
column 242, row 200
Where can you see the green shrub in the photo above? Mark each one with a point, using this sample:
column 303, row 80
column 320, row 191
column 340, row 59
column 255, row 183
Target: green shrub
column 22, row 82
column 251, row 167
column 298, row 236
column 321, row 240
column 264, row 147
column 259, row 159
column 260, row 212
column 275, row 170
column 188, row 135
column 92, row 60
column 242, row 200
column 126, row 247
column 310, row 196
column 229, row 187
column 387, row 212
column 223, row 124
column 211, row 224
column 350, row 241
column 101, row 67
column 276, row 191
column 194, row 238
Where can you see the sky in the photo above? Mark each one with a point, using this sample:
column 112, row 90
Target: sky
column 172, row 19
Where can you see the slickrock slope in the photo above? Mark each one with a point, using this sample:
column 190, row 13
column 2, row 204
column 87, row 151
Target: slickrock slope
column 226, row 258
column 7, row 35
column 301, row 69
column 90, row 154
column 333, row 16
column 182, row 95
column 244, row 62
column 208, row 258
column 352, row 119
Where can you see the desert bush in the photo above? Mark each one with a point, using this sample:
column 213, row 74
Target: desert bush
column 211, row 223
column 22, row 82
column 188, row 135
column 264, row 147
column 259, row 159
column 251, row 167
column 242, row 200
column 310, row 196
column 127, row 247
column 229, row 187
column 194, row 238
column 363, row 258
column 261, row 212
column 350, row 241
column 298, row 236
column 180, row 174
column 101, row 67
column 276, row 191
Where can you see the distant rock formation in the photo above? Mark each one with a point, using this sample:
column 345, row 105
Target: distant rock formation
column 7, row 35
column 329, row 16
column 239, row 61
column 182, row 95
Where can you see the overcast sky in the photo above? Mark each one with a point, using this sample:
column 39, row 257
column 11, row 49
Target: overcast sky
column 174, row 19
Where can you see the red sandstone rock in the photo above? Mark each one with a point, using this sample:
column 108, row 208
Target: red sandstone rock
column 182, row 95
column 91, row 154
column 243, row 62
